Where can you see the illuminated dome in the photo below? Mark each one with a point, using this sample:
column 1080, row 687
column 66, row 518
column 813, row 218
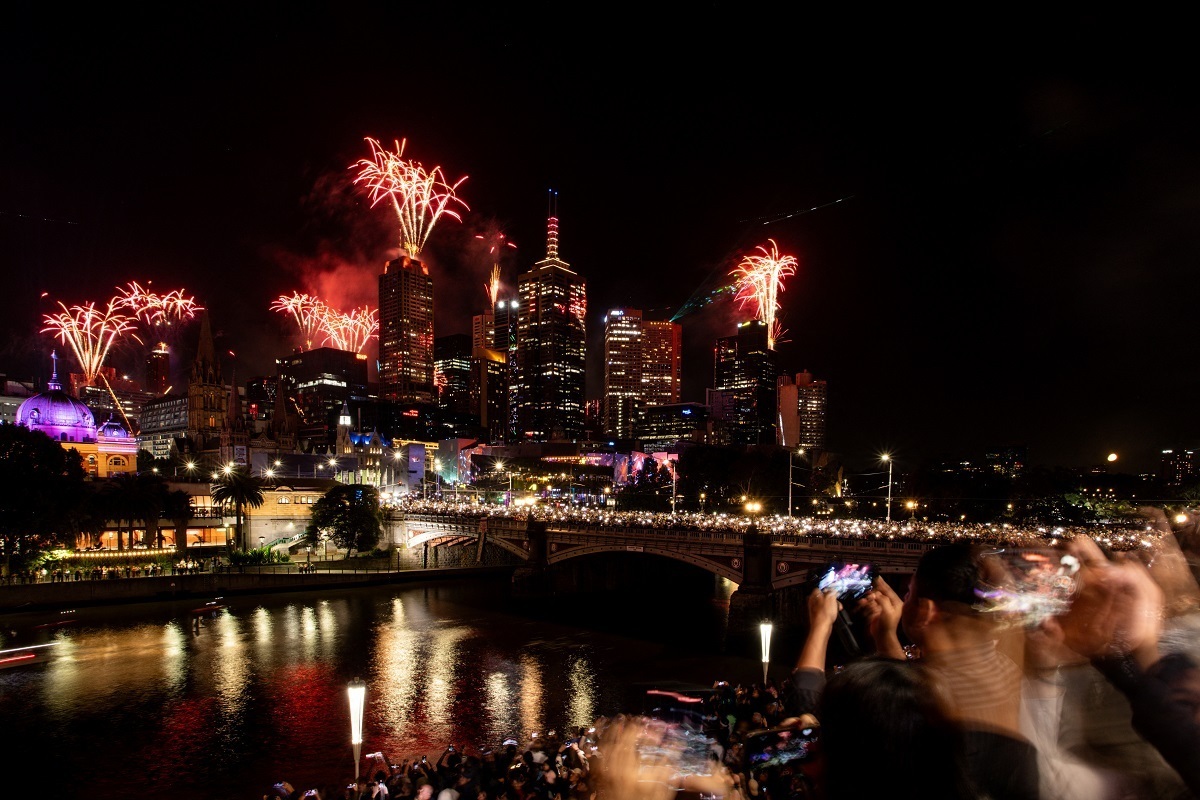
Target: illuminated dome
column 113, row 430
column 57, row 414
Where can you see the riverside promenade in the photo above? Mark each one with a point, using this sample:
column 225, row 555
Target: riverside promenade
column 18, row 598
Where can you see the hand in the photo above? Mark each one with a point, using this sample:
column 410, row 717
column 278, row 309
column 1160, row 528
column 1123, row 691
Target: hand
column 823, row 607
column 881, row 608
column 1117, row 610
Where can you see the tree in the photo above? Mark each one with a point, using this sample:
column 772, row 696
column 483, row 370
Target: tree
column 41, row 482
column 178, row 508
column 350, row 515
column 237, row 487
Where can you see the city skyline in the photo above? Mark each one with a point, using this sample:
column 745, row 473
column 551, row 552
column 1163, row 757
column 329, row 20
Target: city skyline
column 986, row 247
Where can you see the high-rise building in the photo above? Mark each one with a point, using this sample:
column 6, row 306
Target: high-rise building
column 483, row 329
column 1177, row 467
column 549, row 390
column 489, row 392
column 504, row 340
column 744, row 375
column 623, row 391
column 452, row 368
column 662, row 360
column 317, row 383
column 662, row 427
column 802, row 410
column 406, row 332
column 158, row 369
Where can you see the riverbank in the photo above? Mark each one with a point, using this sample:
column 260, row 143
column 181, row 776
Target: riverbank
column 20, row 598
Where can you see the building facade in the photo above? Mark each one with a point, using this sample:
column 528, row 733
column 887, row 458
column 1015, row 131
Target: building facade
column 744, row 373
column 548, row 393
column 406, row 332
column 803, row 405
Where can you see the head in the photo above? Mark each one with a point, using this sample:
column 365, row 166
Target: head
column 941, row 595
column 425, row 791
column 891, row 715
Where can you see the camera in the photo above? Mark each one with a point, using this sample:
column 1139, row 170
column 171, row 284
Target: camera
column 450, row 749
column 1036, row 583
column 782, row 745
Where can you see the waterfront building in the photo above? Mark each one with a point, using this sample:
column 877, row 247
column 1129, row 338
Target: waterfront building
column 548, row 393
column 406, row 332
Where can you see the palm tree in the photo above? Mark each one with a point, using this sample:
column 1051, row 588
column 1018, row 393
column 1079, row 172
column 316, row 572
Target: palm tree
column 121, row 502
column 178, row 509
column 150, row 495
column 237, row 486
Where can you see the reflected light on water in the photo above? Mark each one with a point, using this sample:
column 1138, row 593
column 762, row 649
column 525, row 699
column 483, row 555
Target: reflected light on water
column 582, row 711
column 174, row 656
column 391, row 685
column 500, row 709
column 231, row 664
column 441, row 663
column 532, row 715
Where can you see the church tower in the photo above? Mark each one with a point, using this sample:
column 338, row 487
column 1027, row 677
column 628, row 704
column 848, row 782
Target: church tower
column 235, row 436
column 207, row 402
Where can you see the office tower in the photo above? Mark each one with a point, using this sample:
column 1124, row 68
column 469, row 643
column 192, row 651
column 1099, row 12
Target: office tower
column 548, row 392
column 802, row 411
column 662, row 360
column 623, row 391
column 483, row 329
column 1177, row 467
column 744, row 375
column 452, row 366
column 158, row 369
column 260, row 396
column 489, row 392
column 504, row 340
column 661, row 427
column 406, row 332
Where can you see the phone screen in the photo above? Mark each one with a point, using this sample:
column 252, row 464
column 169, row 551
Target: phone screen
column 771, row 748
column 1037, row 583
column 850, row 581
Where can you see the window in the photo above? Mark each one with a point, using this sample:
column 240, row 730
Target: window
column 116, row 461
column 284, row 499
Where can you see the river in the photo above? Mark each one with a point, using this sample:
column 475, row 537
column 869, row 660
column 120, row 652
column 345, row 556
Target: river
column 142, row 701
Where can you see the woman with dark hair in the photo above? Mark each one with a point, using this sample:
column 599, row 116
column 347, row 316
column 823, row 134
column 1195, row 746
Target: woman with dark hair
column 884, row 729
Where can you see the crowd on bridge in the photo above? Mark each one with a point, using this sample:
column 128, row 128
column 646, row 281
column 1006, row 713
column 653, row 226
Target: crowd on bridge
column 1125, row 537
column 993, row 677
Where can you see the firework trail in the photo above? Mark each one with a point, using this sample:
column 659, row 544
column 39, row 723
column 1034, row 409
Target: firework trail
column 352, row 331
column 418, row 196
column 492, row 287
column 306, row 310
column 91, row 333
column 759, row 280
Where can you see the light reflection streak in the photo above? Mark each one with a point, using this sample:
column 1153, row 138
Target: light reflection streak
column 582, row 712
column 532, row 714
column 175, row 656
column 440, row 666
column 392, row 695
column 231, row 664
column 308, row 633
column 501, row 711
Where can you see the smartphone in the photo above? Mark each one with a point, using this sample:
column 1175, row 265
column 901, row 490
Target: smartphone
column 782, row 745
column 1035, row 582
column 686, row 750
column 850, row 580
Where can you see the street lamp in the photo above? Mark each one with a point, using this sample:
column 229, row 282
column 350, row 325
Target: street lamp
column 308, row 549
column 356, row 692
column 888, row 458
column 764, row 630
column 703, row 497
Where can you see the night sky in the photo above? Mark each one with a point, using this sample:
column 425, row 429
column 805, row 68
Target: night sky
column 1013, row 259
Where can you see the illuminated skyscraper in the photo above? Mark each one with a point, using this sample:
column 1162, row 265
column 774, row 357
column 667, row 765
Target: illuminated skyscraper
column 548, row 391
column 158, row 369
column 662, row 359
column 483, row 329
column 802, row 409
column 452, row 363
column 406, row 332
column 744, row 376
column 623, row 391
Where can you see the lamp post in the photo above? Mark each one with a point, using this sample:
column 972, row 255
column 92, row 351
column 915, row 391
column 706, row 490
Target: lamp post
column 888, row 458
column 308, row 549
column 764, row 630
column 356, row 691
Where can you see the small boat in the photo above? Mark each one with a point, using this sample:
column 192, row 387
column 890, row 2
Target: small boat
column 20, row 656
column 68, row 619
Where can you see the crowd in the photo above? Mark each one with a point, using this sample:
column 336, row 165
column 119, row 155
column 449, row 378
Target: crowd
column 1121, row 537
column 949, row 691
column 99, row 572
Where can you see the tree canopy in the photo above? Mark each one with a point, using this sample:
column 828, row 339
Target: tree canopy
column 43, row 486
column 348, row 514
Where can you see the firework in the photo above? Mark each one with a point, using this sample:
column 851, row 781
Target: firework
column 492, row 287
column 91, row 333
column 351, row 331
column 418, row 196
column 155, row 310
column 306, row 310
column 759, row 280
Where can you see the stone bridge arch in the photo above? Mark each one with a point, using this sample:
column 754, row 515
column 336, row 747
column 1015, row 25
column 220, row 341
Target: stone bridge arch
column 730, row 568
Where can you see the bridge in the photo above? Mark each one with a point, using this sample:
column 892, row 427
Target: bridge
column 754, row 560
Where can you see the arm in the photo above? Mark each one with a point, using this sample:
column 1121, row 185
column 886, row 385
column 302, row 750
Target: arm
column 822, row 612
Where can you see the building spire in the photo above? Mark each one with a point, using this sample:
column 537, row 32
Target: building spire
column 54, row 385
column 233, row 410
column 552, row 227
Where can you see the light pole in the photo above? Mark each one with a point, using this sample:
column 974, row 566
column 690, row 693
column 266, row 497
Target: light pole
column 888, row 458
column 356, row 692
column 764, row 630
column 308, row 549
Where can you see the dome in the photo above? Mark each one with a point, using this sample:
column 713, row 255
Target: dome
column 59, row 416
column 113, row 430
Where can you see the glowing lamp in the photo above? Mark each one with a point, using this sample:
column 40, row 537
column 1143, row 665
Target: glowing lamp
column 356, row 690
column 764, row 631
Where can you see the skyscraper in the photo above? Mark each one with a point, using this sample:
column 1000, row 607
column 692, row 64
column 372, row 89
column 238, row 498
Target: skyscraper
column 406, row 332
column 452, row 364
column 662, row 360
column 623, row 391
column 744, row 376
column 158, row 369
column 802, row 410
column 548, row 392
